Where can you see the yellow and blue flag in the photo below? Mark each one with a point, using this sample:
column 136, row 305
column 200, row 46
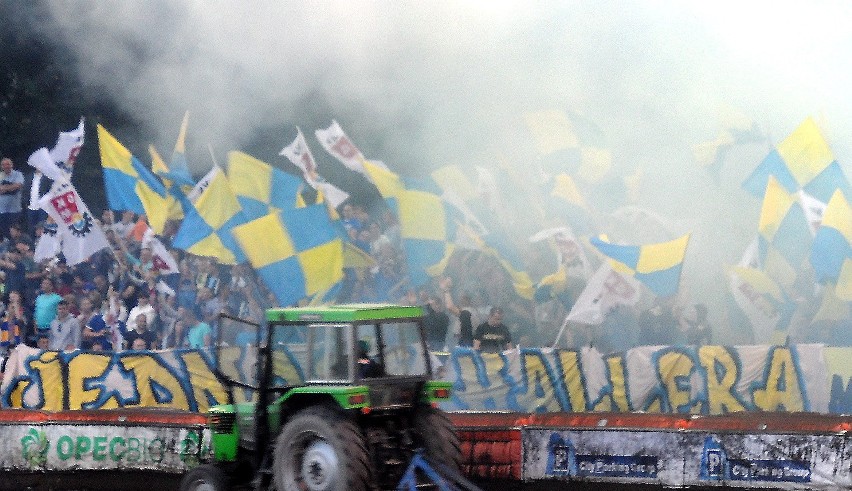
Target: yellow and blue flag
column 386, row 181
column 176, row 199
column 567, row 141
column 802, row 161
column 783, row 225
column 832, row 245
column 427, row 229
column 177, row 171
column 297, row 254
column 129, row 184
column 206, row 229
column 658, row 266
column 260, row 188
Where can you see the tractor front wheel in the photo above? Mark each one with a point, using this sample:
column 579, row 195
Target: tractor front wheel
column 321, row 450
column 205, row 477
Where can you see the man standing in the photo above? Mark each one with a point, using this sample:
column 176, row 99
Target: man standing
column 198, row 332
column 436, row 322
column 46, row 305
column 11, row 182
column 492, row 336
column 64, row 330
column 141, row 333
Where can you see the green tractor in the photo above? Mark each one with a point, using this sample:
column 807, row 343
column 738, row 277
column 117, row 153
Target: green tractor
column 337, row 398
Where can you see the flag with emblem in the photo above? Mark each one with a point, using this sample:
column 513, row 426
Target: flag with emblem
column 79, row 233
column 300, row 155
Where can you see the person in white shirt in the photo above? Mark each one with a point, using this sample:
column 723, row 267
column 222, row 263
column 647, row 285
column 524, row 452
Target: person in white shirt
column 65, row 332
column 143, row 306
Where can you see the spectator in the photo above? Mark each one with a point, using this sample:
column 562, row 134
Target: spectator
column 186, row 289
column 43, row 341
column 140, row 333
column 348, row 218
column 14, row 270
column 658, row 324
column 693, row 328
column 436, row 323
column 209, row 305
column 618, row 331
column 462, row 311
column 87, row 311
column 46, row 305
column 143, row 307
column 198, row 333
column 65, row 332
column 492, row 336
column 13, row 325
column 123, row 227
column 17, row 234
column 11, row 182
column 167, row 313
column 97, row 335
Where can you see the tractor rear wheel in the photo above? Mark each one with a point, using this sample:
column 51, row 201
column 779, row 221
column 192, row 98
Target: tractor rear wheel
column 321, row 450
column 437, row 436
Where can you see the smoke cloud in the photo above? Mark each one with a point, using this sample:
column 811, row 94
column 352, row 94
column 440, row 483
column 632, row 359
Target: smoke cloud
column 420, row 85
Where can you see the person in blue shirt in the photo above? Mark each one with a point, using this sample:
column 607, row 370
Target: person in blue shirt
column 199, row 334
column 45, row 305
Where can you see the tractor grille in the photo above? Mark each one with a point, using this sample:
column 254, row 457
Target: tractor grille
column 222, row 423
column 394, row 394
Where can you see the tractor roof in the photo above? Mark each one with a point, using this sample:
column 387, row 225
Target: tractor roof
column 343, row 313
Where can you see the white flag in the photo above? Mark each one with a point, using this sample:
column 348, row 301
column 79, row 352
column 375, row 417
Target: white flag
column 202, row 184
column 80, row 234
column 300, row 155
column 569, row 250
column 758, row 309
column 163, row 261
column 44, row 163
column 58, row 163
column 49, row 245
column 814, row 210
column 335, row 142
column 605, row 289
column 68, row 146
column 35, row 185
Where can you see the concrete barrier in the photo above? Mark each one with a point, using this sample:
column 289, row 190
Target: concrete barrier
column 145, row 448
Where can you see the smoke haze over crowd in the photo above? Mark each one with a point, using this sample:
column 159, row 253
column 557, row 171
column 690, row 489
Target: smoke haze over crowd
column 420, row 85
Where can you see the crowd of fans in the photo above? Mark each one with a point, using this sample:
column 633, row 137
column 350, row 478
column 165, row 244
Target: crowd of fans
column 120, row 298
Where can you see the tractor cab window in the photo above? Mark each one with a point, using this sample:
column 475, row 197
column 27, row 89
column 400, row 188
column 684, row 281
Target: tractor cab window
column 328, row 353
column 395, row 347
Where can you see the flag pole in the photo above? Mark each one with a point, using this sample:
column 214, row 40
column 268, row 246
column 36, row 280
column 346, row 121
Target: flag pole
column 561, row 330
column 212, row 155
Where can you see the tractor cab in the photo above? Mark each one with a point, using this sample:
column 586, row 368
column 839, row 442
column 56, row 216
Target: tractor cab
column 327, row 398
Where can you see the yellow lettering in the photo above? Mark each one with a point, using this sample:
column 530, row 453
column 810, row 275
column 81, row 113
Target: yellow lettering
column 80, row 368
column 202, row 381
column 781, row 391
column 50, row 374
column 674, row 369
column 541, row 392
column 148, row 371
column 722, row 375
column 573, row 377
column 618, row 380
